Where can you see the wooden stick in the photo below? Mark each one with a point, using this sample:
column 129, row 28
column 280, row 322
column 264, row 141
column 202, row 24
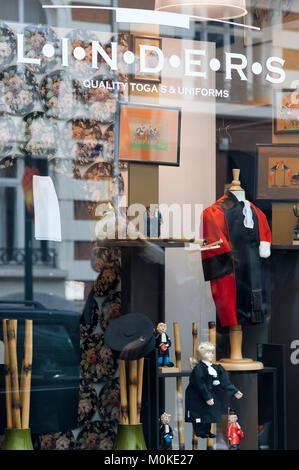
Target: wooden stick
column 26, row 374
column 9, row 423
column 212, row 339
column 13, row 364
column 212, row 336
column 15, row 324
column 133, row 391
column 179, row 386
column 194, row 337
column 124, row 410
column 22, row 384
column 139, row 387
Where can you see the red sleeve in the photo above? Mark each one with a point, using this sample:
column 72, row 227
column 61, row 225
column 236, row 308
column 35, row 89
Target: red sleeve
column 217, row 263
column 264, row 229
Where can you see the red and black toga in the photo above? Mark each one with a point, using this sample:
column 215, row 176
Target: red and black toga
column 235, row 269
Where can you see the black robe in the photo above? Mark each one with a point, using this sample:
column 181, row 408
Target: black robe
column 163, row 443
column 201, row 389
column 159, row 342
column 236, row 270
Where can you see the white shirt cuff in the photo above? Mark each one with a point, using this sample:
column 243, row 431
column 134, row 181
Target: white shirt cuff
column 265, row 249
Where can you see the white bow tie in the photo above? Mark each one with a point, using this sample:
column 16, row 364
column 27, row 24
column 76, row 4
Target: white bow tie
column 212, row 371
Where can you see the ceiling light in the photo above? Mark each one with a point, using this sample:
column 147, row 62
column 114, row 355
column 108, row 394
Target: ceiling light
column 217, row 9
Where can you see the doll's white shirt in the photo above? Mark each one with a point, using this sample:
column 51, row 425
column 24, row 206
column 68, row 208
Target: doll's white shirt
column 166, row 428
column 212, row 371
column 163, row 338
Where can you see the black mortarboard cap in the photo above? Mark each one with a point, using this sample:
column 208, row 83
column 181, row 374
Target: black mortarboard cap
column 129, row 328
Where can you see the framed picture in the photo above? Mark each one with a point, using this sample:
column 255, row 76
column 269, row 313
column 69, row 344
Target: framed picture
column 286, row 111
column 150, row 134
column 278, row 172
column 151, row 58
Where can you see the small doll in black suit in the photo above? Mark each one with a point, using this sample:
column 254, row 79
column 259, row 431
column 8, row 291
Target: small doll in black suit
column 203, row 399
column 163, row 344
column 166, row 433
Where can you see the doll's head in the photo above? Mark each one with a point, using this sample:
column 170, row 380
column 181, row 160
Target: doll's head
column 205, row 352
column 161, row 328
column 165, row 419
column 232, row 416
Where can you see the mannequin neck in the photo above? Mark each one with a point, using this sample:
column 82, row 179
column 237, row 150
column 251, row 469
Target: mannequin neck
column 240, row 195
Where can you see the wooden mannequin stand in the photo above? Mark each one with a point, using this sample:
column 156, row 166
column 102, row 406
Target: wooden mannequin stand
column 236, row 360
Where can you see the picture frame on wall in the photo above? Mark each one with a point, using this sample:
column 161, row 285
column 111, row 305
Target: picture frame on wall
column 149, row 134
column 151, row 58
column 277, row 170
column 286, row 111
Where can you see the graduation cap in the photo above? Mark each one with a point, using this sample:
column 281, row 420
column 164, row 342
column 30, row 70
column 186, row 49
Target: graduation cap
column 131, row 336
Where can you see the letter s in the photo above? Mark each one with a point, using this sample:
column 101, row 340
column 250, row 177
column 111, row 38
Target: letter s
column 294, row 358
column 277, row 70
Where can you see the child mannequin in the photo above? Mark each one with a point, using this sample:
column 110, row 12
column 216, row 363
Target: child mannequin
column 203, row 403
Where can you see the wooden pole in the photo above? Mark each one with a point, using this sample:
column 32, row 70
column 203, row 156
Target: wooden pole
column 124, row 410
column 26, row 373
column 22, row 384
column 133, row 391
column 212, row 339
column 194, row 337
column 212, row 336
column 139, row 387
column 9, row 423
column 13, row 364
column 179, row 384
column 236, row 337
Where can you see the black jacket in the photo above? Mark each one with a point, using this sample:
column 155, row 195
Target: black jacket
column 201, row 389
column 159, row 341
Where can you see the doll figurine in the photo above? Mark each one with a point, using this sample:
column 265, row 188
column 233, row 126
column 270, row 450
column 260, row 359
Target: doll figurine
column 234, row 431
column 163, row 344
column 203, row 398
column 166, row 433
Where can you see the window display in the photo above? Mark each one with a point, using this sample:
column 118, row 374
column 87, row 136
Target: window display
column 149, row 206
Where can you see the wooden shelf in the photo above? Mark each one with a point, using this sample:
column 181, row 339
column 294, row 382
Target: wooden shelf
column 285, row 247
column 172, row 243
column 187, row 373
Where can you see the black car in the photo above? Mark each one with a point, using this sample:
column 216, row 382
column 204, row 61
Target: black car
column 55, row 377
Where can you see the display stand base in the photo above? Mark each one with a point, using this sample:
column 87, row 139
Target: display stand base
column 130, row 437
column 169, row 370
column 240, row 364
